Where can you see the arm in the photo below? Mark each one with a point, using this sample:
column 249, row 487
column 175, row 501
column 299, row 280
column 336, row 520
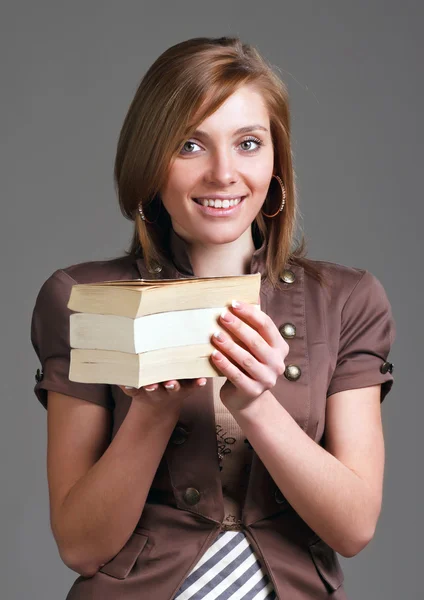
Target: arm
column 97, row 487
column 97, row 491
column 337, row 490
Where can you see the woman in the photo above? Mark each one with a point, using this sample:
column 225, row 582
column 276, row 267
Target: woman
column 142, row 505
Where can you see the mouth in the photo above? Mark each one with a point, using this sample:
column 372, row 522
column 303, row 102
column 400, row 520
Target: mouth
column 218, row 203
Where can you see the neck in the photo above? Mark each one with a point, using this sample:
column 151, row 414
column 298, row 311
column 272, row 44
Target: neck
column 215, row 260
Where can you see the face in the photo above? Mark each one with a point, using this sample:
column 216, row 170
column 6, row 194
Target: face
column 219, row 181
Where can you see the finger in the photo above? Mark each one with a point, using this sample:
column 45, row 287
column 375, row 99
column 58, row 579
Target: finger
column 133, row 391
column 172, row 385
column 151, row 387
column 239, row 379
column 244, row 360
column 199, row 382
column 251, row 340
column 128, row 390
column 260, row 321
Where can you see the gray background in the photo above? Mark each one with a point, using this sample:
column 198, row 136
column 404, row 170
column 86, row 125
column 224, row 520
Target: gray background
column 68, row 75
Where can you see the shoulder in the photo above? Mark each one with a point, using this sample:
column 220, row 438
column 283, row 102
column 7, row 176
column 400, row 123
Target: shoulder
column 354, row 302
column 340, row 283
column 123, row 267
column 55, row 290
column 335, row 274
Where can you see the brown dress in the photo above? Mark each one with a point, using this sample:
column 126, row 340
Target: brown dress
column 339, row 338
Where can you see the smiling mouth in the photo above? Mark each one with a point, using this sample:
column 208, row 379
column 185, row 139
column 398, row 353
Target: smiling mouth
column 216, row 203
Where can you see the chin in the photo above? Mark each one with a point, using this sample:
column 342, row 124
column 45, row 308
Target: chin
column 219, row 237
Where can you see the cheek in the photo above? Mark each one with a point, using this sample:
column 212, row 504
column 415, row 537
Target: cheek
column 182, row 177
column 259, row 171
column 176, row 183
column 178, row 186
column 259, row 179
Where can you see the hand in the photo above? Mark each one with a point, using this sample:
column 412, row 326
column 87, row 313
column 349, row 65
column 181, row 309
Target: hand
column 251, row 355
column 166, row 393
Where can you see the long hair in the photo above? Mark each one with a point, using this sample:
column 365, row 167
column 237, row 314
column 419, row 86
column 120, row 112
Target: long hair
column 186, row 84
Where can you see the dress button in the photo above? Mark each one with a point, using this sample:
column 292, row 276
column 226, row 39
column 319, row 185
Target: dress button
column 156, row 268
column 288, row 276
column 292, row 372
column 179, row 436
column 386, row 366
column 279, row 498
column 191, row 496
column 39, row 376
column 288, row 330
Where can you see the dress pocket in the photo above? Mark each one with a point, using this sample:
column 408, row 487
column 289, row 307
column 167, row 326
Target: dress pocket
column 122, row 563
column 327, row 564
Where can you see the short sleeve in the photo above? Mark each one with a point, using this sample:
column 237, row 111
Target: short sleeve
column 50, row 339
column 367, row 333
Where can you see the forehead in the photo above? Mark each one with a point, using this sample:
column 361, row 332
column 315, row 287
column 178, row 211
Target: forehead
column 246, row 106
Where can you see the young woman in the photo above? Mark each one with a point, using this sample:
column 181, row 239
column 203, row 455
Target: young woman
column 243, row 486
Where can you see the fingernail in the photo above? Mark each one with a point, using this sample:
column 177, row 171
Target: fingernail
column 202, row 383
column 170, row 386
column 128, row 387
column 235, row 304
column 217, row 335
column 225, row 316
column 150, row 389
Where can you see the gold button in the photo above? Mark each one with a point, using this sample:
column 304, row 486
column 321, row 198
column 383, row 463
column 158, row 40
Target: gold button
column 288, row 330
column 156, row 268
column 288, row 276
column 292, row 372
column 191, row 496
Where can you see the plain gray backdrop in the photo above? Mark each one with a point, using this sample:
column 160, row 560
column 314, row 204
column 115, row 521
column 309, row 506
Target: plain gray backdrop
column 68, row 74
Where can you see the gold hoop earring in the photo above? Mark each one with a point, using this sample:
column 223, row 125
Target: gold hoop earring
column 143, row 216
column 283, row 198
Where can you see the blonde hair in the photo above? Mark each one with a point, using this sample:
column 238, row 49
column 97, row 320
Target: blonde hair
column 186, row 84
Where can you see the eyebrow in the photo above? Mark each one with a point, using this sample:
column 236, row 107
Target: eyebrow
column 246, row 129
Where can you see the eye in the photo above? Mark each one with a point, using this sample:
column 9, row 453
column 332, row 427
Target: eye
column 251, row 140
column 188, row 147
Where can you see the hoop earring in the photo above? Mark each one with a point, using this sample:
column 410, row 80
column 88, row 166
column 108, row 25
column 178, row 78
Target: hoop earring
column 143, row 216
column 283, row 198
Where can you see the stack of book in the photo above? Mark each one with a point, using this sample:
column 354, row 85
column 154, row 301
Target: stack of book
column 142, row 331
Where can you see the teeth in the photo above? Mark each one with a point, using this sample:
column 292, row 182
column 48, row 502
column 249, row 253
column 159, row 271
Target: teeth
column 220, row 203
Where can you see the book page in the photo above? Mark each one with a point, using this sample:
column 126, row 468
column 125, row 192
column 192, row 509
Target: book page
column 153, row 283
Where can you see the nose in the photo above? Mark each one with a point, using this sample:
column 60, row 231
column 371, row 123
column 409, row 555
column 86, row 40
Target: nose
column 222, row 170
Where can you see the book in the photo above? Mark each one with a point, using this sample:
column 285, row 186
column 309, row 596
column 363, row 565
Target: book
column 143, row 334
column 139, row 297
column 167, row 335
column 136, row 370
